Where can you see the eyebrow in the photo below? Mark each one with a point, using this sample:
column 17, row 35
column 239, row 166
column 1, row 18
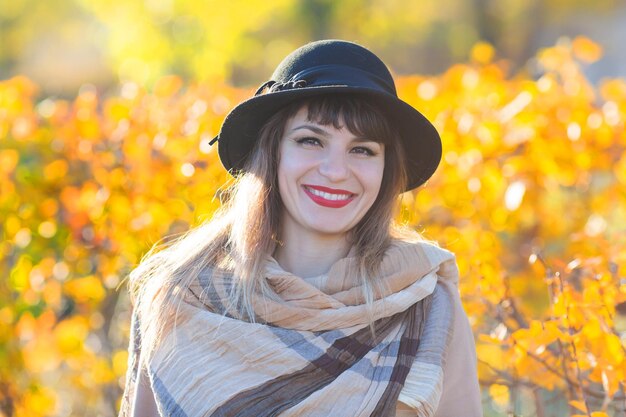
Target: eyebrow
column 322, row 132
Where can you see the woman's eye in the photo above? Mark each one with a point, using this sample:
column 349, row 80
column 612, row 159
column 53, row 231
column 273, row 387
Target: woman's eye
column 363, row 151
column 308, row 141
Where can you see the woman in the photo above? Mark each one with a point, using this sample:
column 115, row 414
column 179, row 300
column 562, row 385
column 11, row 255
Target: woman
column 301, row 297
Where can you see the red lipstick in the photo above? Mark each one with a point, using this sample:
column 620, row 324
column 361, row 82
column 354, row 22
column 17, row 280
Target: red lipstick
column 328, row 197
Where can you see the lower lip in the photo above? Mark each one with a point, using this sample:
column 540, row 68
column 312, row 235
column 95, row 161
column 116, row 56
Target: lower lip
column 328, row 203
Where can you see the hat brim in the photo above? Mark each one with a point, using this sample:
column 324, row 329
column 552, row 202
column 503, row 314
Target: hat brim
column 421, row 141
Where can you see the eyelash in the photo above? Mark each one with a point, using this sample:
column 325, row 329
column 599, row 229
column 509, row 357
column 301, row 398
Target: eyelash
column 360, row 149
column 308, row 141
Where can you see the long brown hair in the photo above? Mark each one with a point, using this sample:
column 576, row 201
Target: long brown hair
column 245, row 228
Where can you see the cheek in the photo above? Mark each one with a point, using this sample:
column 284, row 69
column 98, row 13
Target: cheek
column 286, row 174
column 373, row 177
column 295, row 163
column 283, row 167
column 289, row 172
column 282, row 181
column 380, row 173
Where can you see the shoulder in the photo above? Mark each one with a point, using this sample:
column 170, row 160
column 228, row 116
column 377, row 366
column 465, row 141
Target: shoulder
column 461, row 391
column 427, row 256
column 427, row 248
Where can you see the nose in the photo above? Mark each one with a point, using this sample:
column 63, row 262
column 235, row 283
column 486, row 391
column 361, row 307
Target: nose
column 335, row 167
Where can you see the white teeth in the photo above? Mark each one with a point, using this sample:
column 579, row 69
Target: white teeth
column 328, row 196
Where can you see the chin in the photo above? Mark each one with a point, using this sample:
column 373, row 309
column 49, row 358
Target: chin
column 330, row 230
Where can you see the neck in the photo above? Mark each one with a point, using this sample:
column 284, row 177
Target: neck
column 310, row 255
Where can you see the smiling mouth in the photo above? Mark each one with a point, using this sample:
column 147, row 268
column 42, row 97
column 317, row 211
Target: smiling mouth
column 328, row 197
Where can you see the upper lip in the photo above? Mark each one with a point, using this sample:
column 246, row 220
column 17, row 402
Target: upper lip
column 328, row 189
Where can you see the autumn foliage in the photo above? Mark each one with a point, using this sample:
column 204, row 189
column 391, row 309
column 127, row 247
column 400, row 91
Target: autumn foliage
column 531, row 196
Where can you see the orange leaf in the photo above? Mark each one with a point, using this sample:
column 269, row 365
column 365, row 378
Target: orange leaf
column 586, row 50
column 580, row 405
column 8, row 160
column 167, row 86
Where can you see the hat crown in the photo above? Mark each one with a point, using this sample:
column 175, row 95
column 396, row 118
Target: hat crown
column 342, row 54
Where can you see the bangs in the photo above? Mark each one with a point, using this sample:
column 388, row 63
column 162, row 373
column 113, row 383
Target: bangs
column 361, row 117
column 359, row 114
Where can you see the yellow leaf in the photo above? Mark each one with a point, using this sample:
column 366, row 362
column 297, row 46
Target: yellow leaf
column 613, row 349
column 55, row 170
column 101, row 372
column 559, row 306
column 120, row 362
column 491, row 354
column 70, row 334
column 614, row 89
column 499, row 394
column 482, row 53
column 85, row 289
column 592, row 330
column 37, row 402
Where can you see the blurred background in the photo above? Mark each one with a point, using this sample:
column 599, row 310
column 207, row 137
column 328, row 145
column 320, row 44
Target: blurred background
column 62, row 44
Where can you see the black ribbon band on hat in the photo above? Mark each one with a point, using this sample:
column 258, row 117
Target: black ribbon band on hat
column 330, row 76
column 343, row 75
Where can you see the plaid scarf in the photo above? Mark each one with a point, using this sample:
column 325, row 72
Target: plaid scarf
column 316, row 354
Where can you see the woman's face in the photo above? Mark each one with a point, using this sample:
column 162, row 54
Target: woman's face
column 327, row 178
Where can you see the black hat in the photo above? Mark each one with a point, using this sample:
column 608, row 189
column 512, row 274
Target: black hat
column 325, row 67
